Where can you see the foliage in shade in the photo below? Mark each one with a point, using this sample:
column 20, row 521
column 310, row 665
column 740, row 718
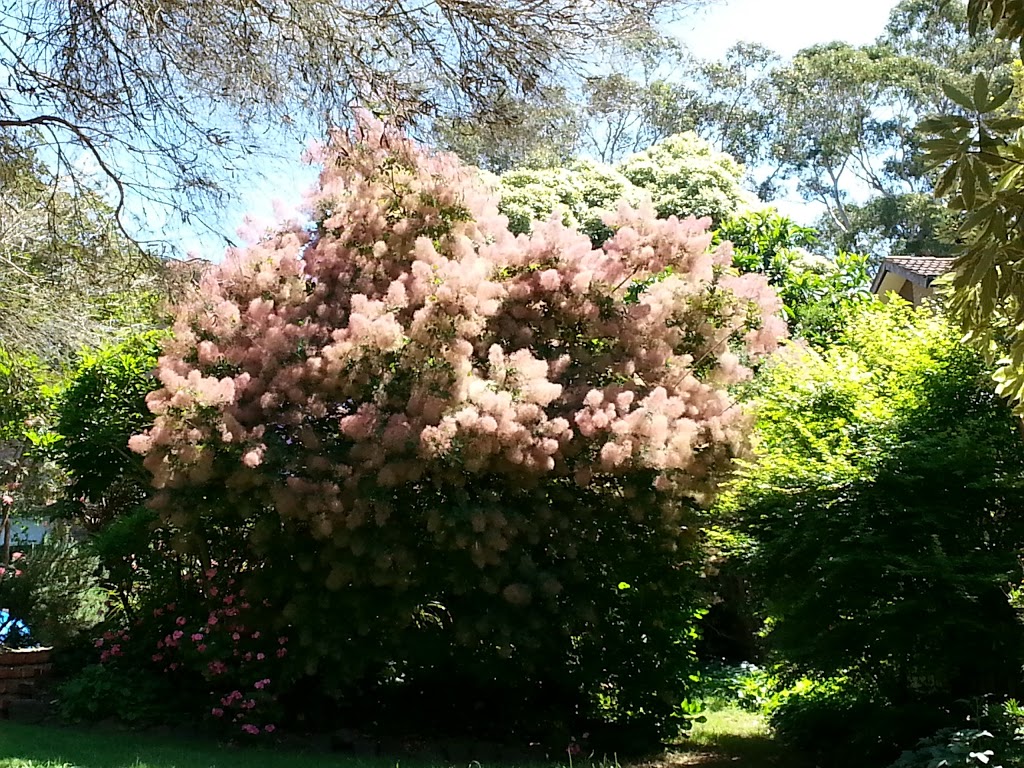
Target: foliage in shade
column 409, row 423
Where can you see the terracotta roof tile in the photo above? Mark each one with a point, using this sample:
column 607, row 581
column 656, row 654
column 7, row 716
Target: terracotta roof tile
column 925, row 266
column 920, row 270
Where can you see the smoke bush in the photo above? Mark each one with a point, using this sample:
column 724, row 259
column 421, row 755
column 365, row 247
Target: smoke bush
column 435, row 445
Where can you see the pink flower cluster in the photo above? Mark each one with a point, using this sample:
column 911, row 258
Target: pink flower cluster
column 235, row 660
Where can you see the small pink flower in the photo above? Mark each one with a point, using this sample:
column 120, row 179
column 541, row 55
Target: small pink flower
column 282, row 652
column 99, row 643
column 229, row 599
column 201, row 648
column 250, row 704
column 235, row 636
column 2, row 570
column 178, row 634
column 270, row 728
column 217, row 712
column 217, row 667
column 17, row 573
column 115, row 650
column 180, row 621
column 255, row 635
column 17, row 555
column 211, row 573
column 8, row 499
column 282, row 640
column 261, row 684
column 104, row 656
column 248, row 728
column 211, row 620
column 174, row 665
column 197, row 637
column 260, row 657
column 248, row 657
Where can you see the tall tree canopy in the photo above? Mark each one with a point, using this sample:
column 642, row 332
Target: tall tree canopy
column 165, row 97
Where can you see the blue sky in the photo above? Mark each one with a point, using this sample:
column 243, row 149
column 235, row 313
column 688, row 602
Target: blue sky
column 785, row 26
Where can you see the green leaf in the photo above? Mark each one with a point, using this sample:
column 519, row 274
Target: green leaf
column 981, row 92
column 999, row 99
column 958, row 97
column 946, row 180
column 943, row 124
column 968, row 181
column 1005, row 124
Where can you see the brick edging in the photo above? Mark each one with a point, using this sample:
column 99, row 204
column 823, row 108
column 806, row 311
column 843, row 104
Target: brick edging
column 23, row 675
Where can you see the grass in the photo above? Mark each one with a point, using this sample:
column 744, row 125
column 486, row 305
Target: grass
column 729, row 737
column 28, row 746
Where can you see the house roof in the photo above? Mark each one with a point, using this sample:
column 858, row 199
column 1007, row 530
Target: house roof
column 920, row 270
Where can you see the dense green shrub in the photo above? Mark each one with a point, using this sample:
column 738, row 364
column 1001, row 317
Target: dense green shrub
column 817, row 292
column 51, row 588
column 886, row 505
column 991, row 735
column 458, row 460
column 101, row 406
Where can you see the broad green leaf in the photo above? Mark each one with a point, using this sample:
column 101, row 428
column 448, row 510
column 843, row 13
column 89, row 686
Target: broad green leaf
column 943, row 124
column 946, row 180
column 1005, row 124
column 958, row 97
column 999, row 99
column 981, row 92
column 968, row 182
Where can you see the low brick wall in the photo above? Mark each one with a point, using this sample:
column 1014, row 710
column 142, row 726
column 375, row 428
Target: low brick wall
column 23, row 676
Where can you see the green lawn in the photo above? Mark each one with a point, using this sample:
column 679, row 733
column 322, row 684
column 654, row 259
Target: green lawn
column 729, row 737
column 25, row 746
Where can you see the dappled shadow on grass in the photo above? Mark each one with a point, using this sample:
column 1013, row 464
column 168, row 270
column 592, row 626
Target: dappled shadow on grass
column 733, row 751
column 729, row 737
column 31, row 746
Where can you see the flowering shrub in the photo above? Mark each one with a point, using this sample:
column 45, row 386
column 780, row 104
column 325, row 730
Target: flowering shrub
column 682, row 175
column 207, row 647
column 685, row 175
column 439, row 445
column 584, row 192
